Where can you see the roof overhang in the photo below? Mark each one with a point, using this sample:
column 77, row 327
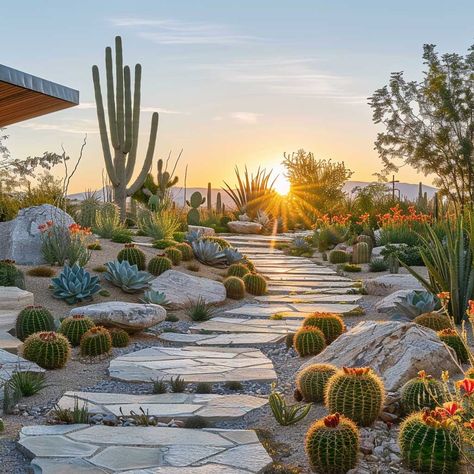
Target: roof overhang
column 23, row 96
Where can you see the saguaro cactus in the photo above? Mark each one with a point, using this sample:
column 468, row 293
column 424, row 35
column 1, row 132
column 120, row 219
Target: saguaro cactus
column 124, row 121
column 209, row 197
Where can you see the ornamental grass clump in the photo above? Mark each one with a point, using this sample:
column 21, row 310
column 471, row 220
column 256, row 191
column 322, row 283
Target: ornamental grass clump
column 33, row 319
column 49, row 350
column 357, row 393
column 309, row 341
column 311, row 382
column 331, row 325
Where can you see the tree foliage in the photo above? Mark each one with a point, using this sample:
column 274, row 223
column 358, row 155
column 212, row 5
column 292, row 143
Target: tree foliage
column 316, row 185
column 429, row 124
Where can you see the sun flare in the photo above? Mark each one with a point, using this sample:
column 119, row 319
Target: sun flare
column 282, row 185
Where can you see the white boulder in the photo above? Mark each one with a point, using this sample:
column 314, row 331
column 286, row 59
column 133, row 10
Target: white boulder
column 386, row 284
column 203, row 230
column 244, row 227
column 387, row 304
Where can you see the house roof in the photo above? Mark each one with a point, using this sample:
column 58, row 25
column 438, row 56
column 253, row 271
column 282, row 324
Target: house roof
column 23, row 96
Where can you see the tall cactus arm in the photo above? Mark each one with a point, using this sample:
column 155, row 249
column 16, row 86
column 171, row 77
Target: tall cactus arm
column 148, row 158
column 128, row 112
column 119, row 92
column 104, row 138
column 110, row 98
column 132, row 156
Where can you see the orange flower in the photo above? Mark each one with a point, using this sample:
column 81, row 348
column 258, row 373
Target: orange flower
column 468, row 387
column 470, row 309
column 444, row 296
column 449, row 409
column 470, row 424
column 331, row 421
column 356, row 370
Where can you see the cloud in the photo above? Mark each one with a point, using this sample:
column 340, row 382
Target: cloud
column 82, row 127
column 247, row 117
column 169, row 32
column 160, row 110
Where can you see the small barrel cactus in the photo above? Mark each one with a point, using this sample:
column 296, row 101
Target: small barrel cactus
column 331, row 325
column 33, row 319
column 421, row 392
column 452, row 339
column 434, row 321
column 95, row 342
column 237, row 270
column 368, row 240
column 428, row 444
column 357, row 393
column 338, row 256
column 360, row 253
column 332, row 445
column 49, row 350
column 309, row 341
column 311, row 381
column 120, row 338
column 255, row 284
column 157, row 265
column 133, row 255
column 235, row 288
column 174, row 255
column 74, row 327
column 186, row 251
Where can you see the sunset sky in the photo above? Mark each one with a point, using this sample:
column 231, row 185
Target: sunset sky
column 236, row 81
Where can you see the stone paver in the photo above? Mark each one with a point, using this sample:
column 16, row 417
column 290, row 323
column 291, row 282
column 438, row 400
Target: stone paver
column 166, row 406
column 290, row 279
column 294, row 270
column 231, row 340
column 293, row 310
column 193, row 364
column 246, row 325
column 107, row 449
column 311, row 298
column 295, row 290
column 12, row 297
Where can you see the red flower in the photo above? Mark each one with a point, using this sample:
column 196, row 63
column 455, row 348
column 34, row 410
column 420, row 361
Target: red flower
column 450, row 409
column 331, row 421
column 468, row 386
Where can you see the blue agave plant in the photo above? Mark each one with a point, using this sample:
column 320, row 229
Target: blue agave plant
column 209, row 253
column 413, row 304
column 155, row 297
column 193, row 235
column 232, row 255
column 75, row 284
column 127, row 276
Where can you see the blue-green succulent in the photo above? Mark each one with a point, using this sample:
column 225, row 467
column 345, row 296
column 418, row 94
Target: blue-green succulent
column 209, row 253
column 155, row 297
column 413, row 304
column 75, row 284
column 232, row 255
column 126, row 276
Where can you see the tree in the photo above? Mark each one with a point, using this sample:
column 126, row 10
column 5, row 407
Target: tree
column 316, row 185
column 429, row 124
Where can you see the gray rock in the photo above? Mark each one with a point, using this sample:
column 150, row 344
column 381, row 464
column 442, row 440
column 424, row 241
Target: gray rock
column 182, row 289
column 21, row 238
column 132, row 317
column 243, row 227
column 396, row 351
column 386, row 284
column 202, row 229
column 387, row 304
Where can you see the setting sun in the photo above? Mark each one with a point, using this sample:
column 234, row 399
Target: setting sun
column 282, row 185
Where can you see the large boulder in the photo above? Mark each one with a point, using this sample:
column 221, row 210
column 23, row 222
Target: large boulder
column 387, row 304
column 397, row 351
column 386, row 284
column 244, row 227
column 132, row 317
column 182, row 289
column 21, row 239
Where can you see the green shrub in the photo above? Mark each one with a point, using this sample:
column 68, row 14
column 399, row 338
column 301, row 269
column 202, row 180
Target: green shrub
column 158, row 225
column 42, row 271
column 107, row 220
column 200, row 310
column 10, row 275
column 378, row 265
column 163, row 244
column 351, row 268
column 122, row 236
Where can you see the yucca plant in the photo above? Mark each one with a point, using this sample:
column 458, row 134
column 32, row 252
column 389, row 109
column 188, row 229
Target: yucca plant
column 287, row 414
column 200, row 310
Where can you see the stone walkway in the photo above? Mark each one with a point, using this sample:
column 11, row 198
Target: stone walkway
column 59, row 449
column 166, row 406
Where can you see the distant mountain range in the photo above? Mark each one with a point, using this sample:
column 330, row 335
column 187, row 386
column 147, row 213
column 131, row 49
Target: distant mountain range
column 407, row 190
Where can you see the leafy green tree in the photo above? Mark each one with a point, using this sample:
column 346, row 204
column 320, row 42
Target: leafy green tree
column 316, row 185
column 429, row 124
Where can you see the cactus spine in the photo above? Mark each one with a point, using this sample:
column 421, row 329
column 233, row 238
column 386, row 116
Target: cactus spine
column 194, row 203
column 421, row 392
column 49, row 350
column 124, row 120
column 255, row 284
column 237, row 270
column 95, row 342
column 33, row 319
column 308, row 341
column 360, row 252
column 331, row 325
column 186, row 251
column 356, row 393
column 452, row 339
column 332, row 445
column 434, row 321
column 235, row 288
column 428, row 444
column 311, row 381
column 133, row 255
column 120, row 338
column 158, row 265
column 74, row 327
column 338, row 256
column 174, row 255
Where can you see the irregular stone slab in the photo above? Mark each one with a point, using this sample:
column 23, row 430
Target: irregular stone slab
column 143, row 449
column 203, row 230
column 132, row 317
column 386, row 284
column 252, row 252
column 166, row 406
column 13, row 298
column 396, row 351
column 343, row 283
column 293, row 310
column 193, row 364
column 21, row 238
column 182, row 289
column 10, row 343
column 295, row 269
column 295, row 290
column 244, row 227
column 311, row 298
column 290, row 279
column 240, row 339
column 387, row 304
column 257, row 238
column 247, row 325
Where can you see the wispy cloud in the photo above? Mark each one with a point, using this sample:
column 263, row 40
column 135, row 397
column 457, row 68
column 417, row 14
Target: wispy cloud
column 82, row 127
column 169, row 31
column 247, row 117
column 160, row 110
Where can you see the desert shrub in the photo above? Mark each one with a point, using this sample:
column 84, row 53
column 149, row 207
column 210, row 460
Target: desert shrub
column 158, row 225
column 107, row 220
column 41, row 271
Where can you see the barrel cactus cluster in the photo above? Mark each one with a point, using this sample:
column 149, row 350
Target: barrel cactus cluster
column 133, row 255
column 33, row 319
column 48, row 349
column 309, row 341
column 237, row 270
column 96, row 342
column 74, row 327
column 330, row 324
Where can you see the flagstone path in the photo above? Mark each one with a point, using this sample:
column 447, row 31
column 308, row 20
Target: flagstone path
column 247, row 325
column 166, row 406
column 231, row 340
